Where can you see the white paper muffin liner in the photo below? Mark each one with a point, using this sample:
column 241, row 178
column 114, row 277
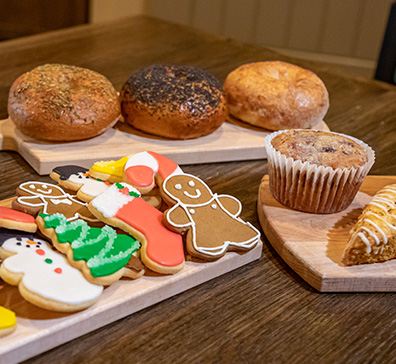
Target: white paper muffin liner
column 312, row 188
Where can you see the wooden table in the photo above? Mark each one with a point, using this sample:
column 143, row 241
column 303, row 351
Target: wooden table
column 262, row 312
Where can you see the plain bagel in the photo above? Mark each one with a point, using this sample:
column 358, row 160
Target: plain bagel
column 63, row 103
column 176, row 102
column 276, row 95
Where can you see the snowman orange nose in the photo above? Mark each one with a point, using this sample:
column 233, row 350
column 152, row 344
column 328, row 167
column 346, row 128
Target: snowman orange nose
column 31, row 242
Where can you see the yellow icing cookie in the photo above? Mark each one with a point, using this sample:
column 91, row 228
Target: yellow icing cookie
column 7, row 321
column 112, row 169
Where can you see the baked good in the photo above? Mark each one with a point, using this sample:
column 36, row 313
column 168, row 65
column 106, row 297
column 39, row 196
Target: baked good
column 316, row 171
column 43, row 276
column 373, row 238
column 276, row 95
column 121, row 206
column 17, row 220
column 210, row 222
column 7, row 321
column 57, row 102
column 176, row 102
column 100, row 254
column 35, row 197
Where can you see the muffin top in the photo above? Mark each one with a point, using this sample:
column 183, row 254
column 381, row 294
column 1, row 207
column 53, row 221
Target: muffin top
column 320, row 147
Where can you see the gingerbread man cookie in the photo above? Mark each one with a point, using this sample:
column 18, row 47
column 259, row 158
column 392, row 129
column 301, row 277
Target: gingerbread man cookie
column 122, row 206
column 35, row 197
column 17, row 220
column 101, row 254
column 43, row 276
column 77, row 179
column 7, row 321
column 210, row 221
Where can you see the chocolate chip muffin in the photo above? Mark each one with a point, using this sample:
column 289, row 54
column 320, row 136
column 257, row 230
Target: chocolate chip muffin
column 316, row 171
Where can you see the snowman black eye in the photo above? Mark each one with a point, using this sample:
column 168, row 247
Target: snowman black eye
column 19, row 243
column 19, row 238
column 27, row 246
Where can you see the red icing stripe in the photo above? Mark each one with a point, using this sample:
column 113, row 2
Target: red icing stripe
column 166, row 166
column 163, row 246
column 18, row 216
column 141, row 176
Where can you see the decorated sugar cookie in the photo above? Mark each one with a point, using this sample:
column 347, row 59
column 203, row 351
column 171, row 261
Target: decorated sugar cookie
column 210, row 221
column 143, row 169
column 100, row 253
column 35, row 197
column 7, row 321
column 44, row 277
column 77, row 179
column 122, row 206
column 12, row 219
column 111, row 171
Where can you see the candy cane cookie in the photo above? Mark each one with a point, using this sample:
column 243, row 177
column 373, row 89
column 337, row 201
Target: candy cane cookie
column 8, row 321
column 102, row 255
column 121, row 205
column 43, row 276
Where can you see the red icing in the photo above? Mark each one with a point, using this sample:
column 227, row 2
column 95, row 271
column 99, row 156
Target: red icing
column 124, row 190
column 166, row 166
column 163, row 246
column 18, row 216
column 141, row 176
column 40, row 252
column 58, row 270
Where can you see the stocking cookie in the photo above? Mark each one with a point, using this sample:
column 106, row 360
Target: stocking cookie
column 7, row 322
column 143, row 170
column 35, row 197
column 77, row 179
column 12, row 219
column 43, row 276
column 101, row 254
column 122, row 206
column 210, row 221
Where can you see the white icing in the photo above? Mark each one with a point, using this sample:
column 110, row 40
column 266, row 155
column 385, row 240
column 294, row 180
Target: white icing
column 192, row 211
column 197, row 194
column 111, row 200
column 214, row 206
column 59, row 201
column 39, row 277
column 191, row 183
column 178, row 186
column 218, row 250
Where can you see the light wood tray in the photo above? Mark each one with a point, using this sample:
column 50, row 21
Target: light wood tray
column 233, row 141
column 312, row 244
column 39, row 330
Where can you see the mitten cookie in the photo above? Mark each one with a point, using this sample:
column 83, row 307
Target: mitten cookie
column 122, row 206
column 43, row 276
column 143, row 170
column 76, row 178
column 101, row 254
column 12, row 219
column 7, row 322
column 35, row 197
column 210, row 221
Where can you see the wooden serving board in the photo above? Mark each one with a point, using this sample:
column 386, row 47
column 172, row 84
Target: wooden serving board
column 312, row 244
column 39, row 330
column 233, row 141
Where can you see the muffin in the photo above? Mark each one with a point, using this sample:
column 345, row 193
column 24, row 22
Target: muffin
column 316, row 171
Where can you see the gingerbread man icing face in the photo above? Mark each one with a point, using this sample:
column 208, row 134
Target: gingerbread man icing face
column 42, row 189
column 188, row 189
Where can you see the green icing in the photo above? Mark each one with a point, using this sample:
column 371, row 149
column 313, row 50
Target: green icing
column 103, row 249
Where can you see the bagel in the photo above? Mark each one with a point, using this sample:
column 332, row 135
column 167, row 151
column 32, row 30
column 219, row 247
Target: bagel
column 58, row 102
column 176, row 102
column 276, row 95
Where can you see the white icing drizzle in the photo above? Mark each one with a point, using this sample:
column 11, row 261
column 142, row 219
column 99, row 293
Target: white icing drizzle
column 385, row 200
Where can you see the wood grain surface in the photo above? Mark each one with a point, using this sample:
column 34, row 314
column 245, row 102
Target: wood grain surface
column 312, row 244
column 262, row 312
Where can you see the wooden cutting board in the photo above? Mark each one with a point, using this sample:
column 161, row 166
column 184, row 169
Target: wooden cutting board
column 233, row 141
column 312, row 244
column 39, row 330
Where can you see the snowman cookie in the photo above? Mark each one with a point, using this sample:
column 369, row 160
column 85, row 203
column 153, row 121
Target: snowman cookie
column 7, row 322
column 209, row 221
column 102, row 255
column 44, row 277
column 17, row 220
column 77, row 179
column 35, row 197
column 121, row 206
